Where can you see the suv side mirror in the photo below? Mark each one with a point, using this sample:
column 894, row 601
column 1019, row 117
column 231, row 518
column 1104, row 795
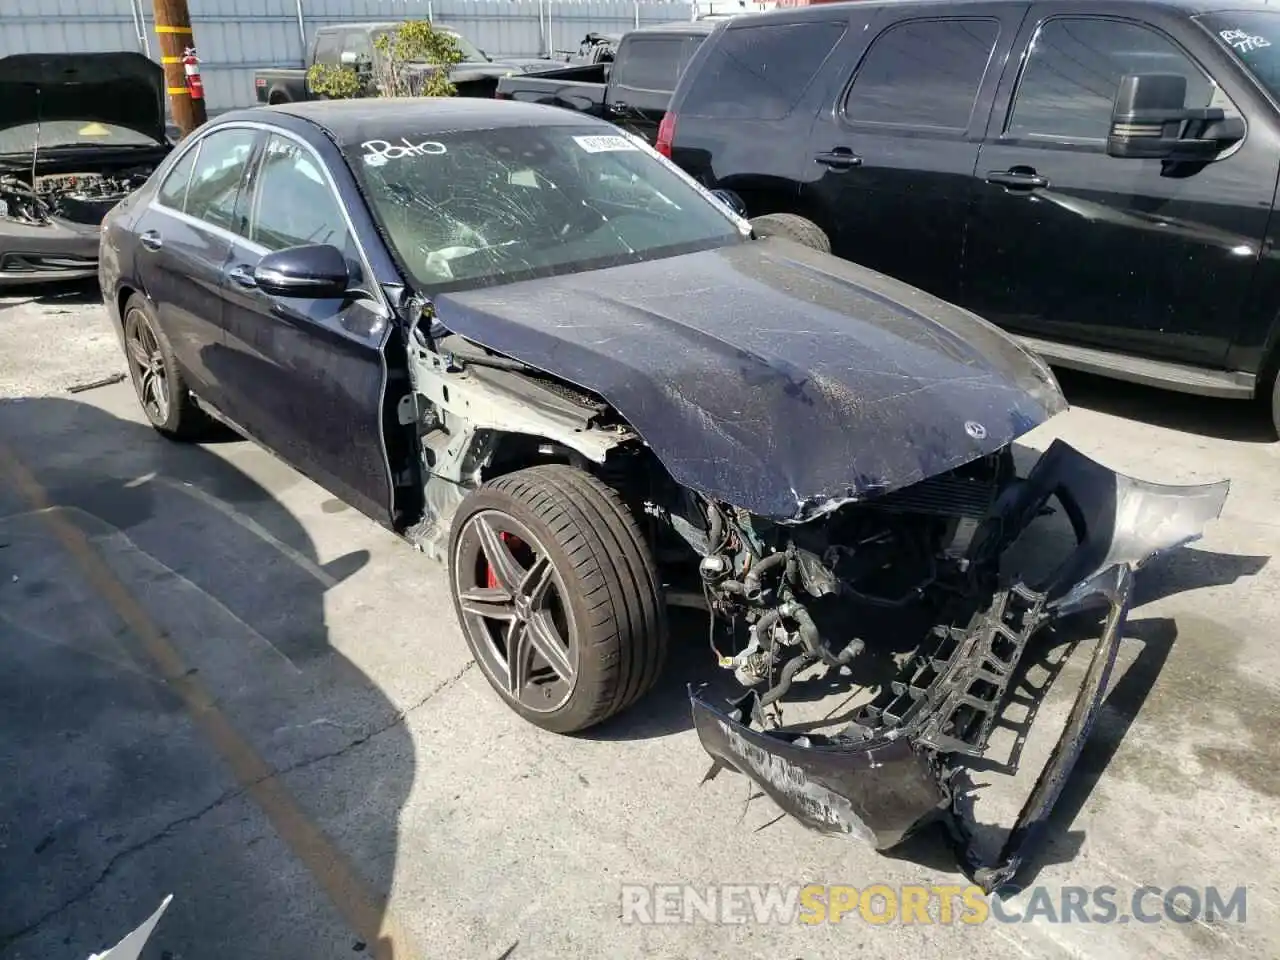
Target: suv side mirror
column 1150, row 121
column 315, row 271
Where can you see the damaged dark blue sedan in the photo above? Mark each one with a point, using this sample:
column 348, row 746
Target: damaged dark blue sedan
column 527, row 343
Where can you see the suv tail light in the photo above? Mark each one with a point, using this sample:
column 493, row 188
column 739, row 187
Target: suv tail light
column 666, row 134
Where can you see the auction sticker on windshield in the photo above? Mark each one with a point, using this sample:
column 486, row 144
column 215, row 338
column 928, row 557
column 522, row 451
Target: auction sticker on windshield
column 603, row 143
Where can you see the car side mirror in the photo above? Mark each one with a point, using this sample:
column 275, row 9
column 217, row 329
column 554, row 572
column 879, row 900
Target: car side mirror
column 316, row 271
column 1150, row 121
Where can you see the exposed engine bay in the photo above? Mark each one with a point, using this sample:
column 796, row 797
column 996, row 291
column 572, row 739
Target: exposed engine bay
column 818, row 592
column 82, row 197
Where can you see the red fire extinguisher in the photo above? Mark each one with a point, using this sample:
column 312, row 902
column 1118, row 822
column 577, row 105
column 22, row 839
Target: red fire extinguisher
column 191, row 67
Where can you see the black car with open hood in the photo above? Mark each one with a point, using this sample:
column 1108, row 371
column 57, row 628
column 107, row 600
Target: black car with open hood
column 78, row 133
column 536, row 349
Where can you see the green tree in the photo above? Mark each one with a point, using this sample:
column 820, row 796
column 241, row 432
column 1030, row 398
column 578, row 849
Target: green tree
column 411, row 60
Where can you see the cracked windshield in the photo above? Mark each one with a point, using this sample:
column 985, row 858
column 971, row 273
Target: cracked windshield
column 492, row 206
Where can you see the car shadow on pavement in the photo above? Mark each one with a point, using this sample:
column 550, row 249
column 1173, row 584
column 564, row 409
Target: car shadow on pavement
column 1237, row 420
column 128, row 779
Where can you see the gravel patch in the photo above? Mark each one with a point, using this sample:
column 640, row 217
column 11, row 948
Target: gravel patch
column 54, row 339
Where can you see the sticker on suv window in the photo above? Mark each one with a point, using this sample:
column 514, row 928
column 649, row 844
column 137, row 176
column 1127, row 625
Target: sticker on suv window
column 603, row 143
column 1244, row 41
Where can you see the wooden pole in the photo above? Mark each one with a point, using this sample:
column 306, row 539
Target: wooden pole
column 173, row 28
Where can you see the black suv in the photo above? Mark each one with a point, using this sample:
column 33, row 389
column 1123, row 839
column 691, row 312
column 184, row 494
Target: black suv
column 1097, row 176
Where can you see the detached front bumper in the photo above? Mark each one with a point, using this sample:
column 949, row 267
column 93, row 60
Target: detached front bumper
column 58, row 250
column 890, row 771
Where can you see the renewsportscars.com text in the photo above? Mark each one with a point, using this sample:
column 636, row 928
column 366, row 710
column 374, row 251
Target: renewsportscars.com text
column 880, row 904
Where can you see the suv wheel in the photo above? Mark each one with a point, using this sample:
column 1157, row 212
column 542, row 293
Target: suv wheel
column 1275, row 402
column 557, row 595
column 792, row 227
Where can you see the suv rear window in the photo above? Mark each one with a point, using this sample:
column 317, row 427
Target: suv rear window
column 923, row 73
column 650, row 64
column 760, row 73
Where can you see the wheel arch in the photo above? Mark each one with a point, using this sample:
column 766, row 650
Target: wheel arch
column 774, row 195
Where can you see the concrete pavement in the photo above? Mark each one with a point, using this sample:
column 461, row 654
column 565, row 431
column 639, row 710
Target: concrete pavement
column 219, row 682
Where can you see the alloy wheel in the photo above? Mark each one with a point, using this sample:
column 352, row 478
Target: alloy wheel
column 146, row 363
column 515, row 610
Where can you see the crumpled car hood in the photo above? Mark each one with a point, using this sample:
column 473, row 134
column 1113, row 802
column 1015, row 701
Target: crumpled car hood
column 773, row 377
column 124, row 88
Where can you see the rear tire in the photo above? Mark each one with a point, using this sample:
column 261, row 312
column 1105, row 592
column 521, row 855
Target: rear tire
column 584, row 616
column 791, row 227
column 157, row 379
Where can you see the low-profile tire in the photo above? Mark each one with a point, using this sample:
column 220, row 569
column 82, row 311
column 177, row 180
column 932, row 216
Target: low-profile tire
column 157, row 379
column 792, row 227
column 549, row 562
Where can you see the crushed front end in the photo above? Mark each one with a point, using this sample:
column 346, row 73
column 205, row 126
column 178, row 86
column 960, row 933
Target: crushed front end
column 910, row 596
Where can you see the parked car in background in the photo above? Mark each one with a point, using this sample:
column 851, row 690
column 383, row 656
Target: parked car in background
column 78, row 133
column 521, row 339
column 1098, row 177
column 352, row 44
column 633, row 90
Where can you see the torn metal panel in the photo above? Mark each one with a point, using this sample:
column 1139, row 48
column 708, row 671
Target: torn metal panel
column 888, row 772
column 770, row 376
column 463, row 411
column 485, row 399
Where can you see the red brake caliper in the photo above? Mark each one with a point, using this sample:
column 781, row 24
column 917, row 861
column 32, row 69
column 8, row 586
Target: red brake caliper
column 490, row 580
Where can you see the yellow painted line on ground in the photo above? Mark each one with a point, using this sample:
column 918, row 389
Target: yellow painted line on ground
column 162, row 29
column 359, row 907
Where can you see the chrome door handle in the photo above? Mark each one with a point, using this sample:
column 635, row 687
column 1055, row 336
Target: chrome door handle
column 841, row 158
column 1017, row 179
column 151, row 240
column 242, row 275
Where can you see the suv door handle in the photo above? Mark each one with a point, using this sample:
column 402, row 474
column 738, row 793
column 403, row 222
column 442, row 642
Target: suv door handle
column 151, row 240
column 243, row 275
column 1017, row 178
column 839, row 158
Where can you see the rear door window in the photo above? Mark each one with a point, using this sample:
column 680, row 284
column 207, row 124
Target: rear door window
column 218, row 174
column 760, row 73
column 1074, row 69
column 923, row 73
column 173, row 192
column 650, row 64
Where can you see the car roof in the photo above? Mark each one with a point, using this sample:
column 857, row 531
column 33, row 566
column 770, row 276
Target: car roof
column 676, row 26
column 824, row 10
column 380, row 25
column 355, row 121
